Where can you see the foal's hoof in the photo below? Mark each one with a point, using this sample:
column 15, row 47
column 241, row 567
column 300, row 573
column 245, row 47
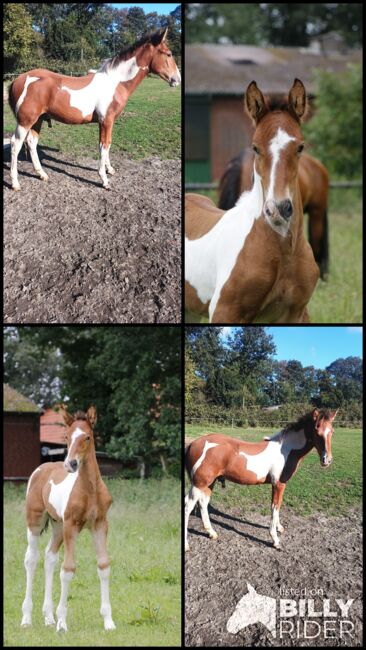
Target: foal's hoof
column 61, row 626
column 213, row 535
column 16, row 188
column 49, row 620
column 106, row 187
column 109, row 625
column 111, row 171
column 186, row 548
column 280, row 529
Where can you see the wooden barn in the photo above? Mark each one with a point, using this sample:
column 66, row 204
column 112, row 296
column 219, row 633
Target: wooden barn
column 21, row 435
column 216, row 77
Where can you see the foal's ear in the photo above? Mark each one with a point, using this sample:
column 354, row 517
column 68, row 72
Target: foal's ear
column 68, row 418
column 91, row 414
column 332, row 415
column 315, row 414
column 255, row 104
column 297, row 102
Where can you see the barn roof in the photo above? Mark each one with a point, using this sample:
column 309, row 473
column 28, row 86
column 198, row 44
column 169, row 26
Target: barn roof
column 228, row 69
column 17, row 403
column 52, row 427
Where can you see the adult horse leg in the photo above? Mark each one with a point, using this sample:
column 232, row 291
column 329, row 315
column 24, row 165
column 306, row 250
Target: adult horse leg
column 318, row 237
column 16, row 144
column 50, row 561
column 277, row 495
column 32, row 141
column 30, row 563
column 190, row 501
column 204, row 499
column 105, row 139
column 100, row 542
column 66, row 574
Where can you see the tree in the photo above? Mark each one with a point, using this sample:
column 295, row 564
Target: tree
column 251, row 349
column 17, row 33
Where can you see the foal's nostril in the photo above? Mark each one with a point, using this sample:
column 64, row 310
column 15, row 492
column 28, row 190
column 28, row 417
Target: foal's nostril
column 285, row 209
column 73, row 464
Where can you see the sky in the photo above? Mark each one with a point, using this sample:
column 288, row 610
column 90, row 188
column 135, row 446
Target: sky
column 149, row 7
column 315, row 346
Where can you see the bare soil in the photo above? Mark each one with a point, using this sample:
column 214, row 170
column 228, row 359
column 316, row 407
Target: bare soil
column 77, row 253
column 318, row 553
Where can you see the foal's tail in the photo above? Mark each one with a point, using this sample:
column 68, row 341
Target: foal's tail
column 11, row 100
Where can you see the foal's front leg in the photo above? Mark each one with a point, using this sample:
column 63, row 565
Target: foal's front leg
column 100, row 542
column 105, row 139
column 277, row 495
column 66, row 574
column 50, row 561
column 30, row 563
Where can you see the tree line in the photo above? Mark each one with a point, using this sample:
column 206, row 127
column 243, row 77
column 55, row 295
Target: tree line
column 77, row 36
column 239, row 374
column 131, row 374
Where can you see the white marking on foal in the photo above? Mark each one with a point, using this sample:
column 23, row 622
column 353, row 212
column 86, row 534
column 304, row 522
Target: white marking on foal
column 30, row 563
column 29, row 80
column 98, row 94
column 60, row 493
column 105, row 609
column 273, row 458
column 209, row 260
column 278, row 142
column 199, row 462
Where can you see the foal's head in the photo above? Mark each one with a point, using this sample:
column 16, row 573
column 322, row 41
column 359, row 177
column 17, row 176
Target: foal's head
column 321, row 433
column 80, row 437
column 277, row 144
column 161, row 59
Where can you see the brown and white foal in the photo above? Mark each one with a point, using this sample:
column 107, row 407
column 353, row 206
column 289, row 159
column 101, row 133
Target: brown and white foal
column 72, row 495
column 252, row 263
column 274, row 460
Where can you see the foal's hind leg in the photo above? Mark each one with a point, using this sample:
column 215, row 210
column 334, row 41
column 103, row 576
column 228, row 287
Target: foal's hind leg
column 204, row 499
column 16, row 145
column 32, row 141
column 190, row 501
column 50, row 561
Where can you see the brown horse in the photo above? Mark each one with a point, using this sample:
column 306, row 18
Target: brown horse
column 72, row 496
column 252, row 263
column 274, row 460
column 314, row 188
column 98, row 97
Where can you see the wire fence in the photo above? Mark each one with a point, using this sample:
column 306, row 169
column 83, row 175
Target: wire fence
column 215, row 186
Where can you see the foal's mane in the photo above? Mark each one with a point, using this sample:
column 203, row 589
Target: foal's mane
column 80, row 415
column 126, row 53
column 306, row 422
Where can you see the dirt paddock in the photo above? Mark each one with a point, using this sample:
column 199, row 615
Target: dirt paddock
column 318, row 553
column 77, row 253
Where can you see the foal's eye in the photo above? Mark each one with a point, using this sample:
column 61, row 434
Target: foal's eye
column 255, row 149
column 87, row 438
column 300, row 148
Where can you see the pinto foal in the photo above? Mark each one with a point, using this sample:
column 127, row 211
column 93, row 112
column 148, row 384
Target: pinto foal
column 252, row 263
column 100, row 97
column 72, row 495
column 274, row 460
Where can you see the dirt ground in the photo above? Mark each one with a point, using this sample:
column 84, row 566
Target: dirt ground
column 77, row 253
column 318, row 553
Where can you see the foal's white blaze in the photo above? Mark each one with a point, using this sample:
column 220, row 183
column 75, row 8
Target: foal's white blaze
column 209, row 260
column 98, row 94
column 60, row 493
column 199, row 462
column 278, row 142
column 29, row 80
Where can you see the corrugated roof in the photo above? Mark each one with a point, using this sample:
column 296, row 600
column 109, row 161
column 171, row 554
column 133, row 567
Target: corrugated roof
column 228, row 69
column 17, row 403
column 52, row 427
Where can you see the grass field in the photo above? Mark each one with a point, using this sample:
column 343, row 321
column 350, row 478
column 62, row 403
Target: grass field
column 339, row 300
column 149, row 126
column 312, row 489
column 144, row 545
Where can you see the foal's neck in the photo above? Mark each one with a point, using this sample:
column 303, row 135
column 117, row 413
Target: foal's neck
column 89, row 471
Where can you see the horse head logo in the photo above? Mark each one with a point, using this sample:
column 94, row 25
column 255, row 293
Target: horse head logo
column 253, row 608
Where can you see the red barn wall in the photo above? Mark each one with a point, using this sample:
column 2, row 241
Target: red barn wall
column 21, row 444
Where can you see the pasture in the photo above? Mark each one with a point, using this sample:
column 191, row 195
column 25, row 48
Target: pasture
column 144, row 545
column 339, row 299
column 77, row 253
column 321, row 550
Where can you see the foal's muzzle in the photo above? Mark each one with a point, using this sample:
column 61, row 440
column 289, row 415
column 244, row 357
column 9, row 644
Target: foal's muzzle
column 278, row 213
column 325, row 461
column 71, row 465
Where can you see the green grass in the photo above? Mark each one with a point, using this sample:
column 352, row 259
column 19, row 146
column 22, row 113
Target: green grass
column 149, row 126
column 339, row 299
column 312, row 489
column 144, row 544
